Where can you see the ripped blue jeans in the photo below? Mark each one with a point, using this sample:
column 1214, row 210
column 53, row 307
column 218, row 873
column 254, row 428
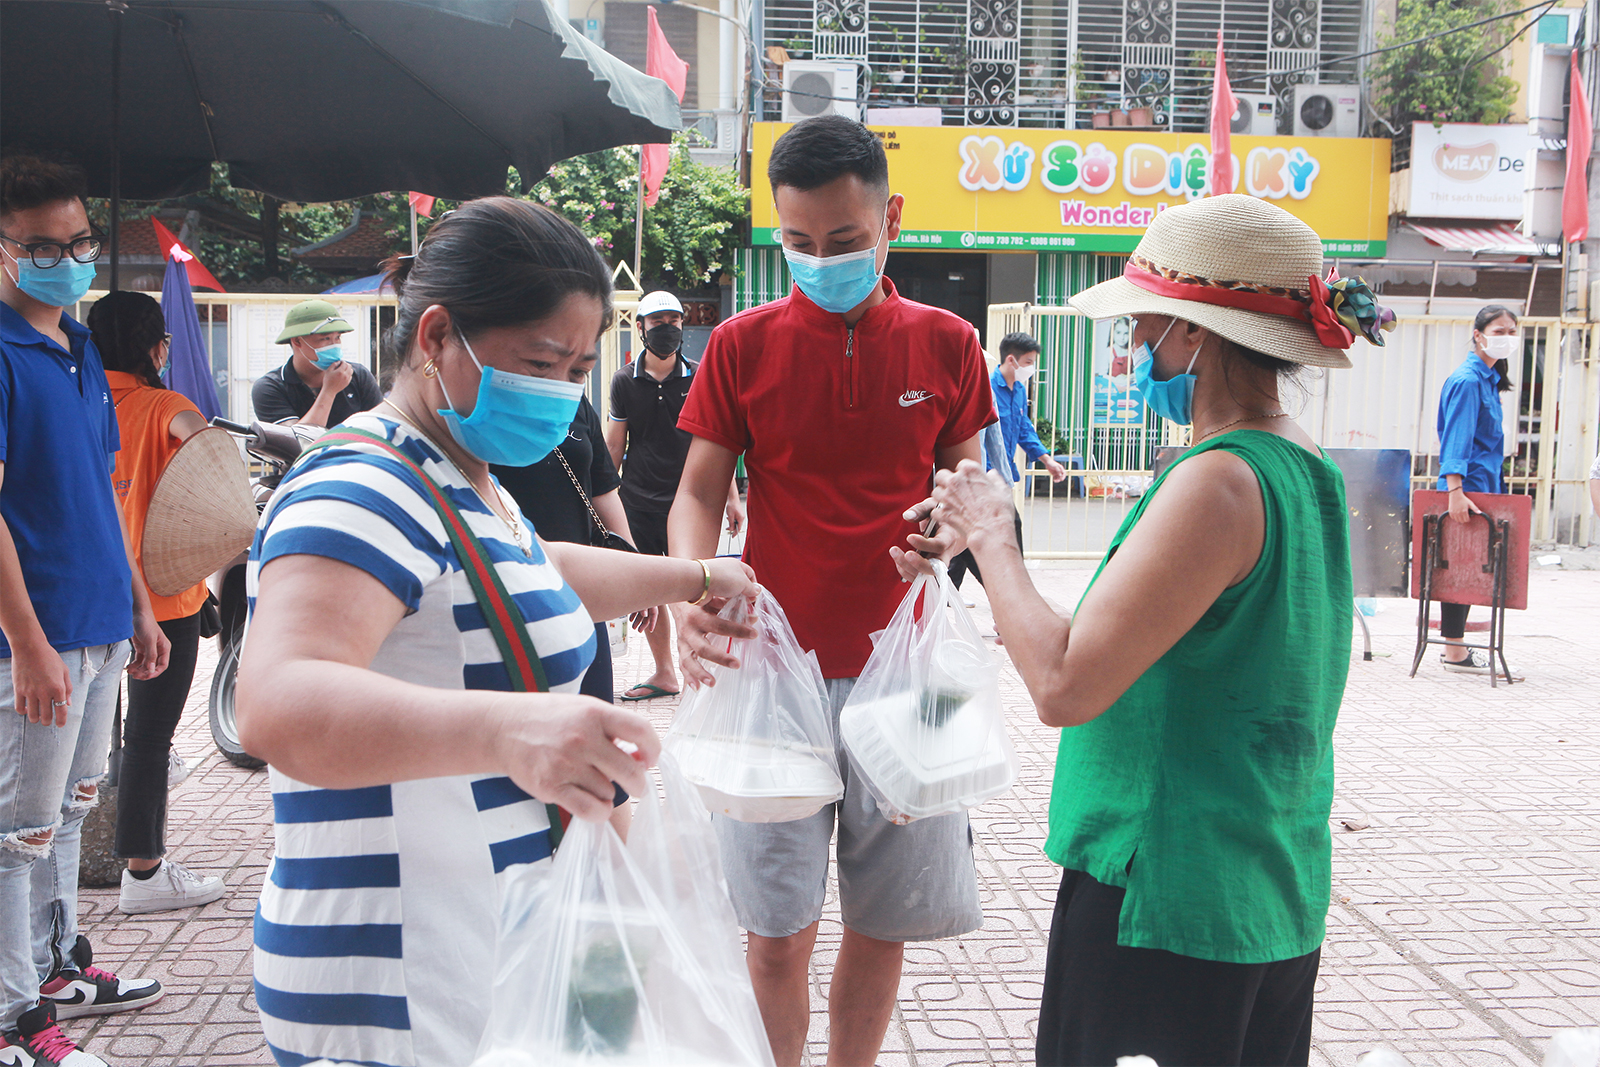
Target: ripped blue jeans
column 49, row 779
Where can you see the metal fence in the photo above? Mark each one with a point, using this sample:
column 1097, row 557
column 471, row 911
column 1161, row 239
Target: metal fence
column 1388, row 399
column 241, row 330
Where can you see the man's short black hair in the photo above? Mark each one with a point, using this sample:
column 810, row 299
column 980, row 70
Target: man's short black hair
column 29, row 181
column 1017, row 344
column 818, row 150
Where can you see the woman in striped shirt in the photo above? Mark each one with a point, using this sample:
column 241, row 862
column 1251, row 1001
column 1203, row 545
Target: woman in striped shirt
column 409, row 781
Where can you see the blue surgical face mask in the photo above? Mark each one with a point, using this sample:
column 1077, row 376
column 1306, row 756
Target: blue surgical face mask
column 838, row 283
column 518, row 420
column 59, row 286
column 327, row 357
column 1172, row 399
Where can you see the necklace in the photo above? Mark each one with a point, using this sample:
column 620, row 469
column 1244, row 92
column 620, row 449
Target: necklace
column 503, row 513
column 1247, row 418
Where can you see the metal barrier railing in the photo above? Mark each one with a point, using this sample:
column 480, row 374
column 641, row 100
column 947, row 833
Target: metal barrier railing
column 241, row 332
column 1388, row 399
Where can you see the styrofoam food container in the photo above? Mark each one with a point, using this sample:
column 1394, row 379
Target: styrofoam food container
column 755, row 780
column 925, row 770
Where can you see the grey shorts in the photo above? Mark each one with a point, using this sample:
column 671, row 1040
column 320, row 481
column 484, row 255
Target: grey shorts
column 896, row 883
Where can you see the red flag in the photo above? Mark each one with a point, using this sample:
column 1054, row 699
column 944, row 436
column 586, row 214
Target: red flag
column 1580, row 141
column 1223, row 105
column 199, row 277
column 423, row 203
column 660, row 61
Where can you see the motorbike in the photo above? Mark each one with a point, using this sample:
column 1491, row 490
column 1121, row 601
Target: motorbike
column 275, row 447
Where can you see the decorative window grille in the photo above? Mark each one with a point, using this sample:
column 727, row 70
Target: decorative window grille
column 1053, row 63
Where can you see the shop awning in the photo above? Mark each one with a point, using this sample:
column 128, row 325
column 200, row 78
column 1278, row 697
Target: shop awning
column 1496, row 240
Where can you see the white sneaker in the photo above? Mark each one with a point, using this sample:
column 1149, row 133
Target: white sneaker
column 178, row 769
column 172, row 886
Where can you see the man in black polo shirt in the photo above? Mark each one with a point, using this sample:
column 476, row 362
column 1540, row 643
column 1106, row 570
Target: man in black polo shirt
column 317, row 386
column 646, row 397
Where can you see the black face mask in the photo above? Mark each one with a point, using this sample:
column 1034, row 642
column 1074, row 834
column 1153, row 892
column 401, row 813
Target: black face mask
column 664, row 339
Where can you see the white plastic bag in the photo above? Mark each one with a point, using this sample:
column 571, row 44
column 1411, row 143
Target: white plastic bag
column 626, row 954
column 924, row 723
column 759, row 744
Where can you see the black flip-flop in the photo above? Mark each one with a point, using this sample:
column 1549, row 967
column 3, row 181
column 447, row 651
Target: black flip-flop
column 655, row 691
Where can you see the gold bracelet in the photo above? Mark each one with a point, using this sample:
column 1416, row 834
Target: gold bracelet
column 705, row 594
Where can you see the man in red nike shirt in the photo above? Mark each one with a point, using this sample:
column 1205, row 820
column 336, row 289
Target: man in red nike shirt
column 843, row 399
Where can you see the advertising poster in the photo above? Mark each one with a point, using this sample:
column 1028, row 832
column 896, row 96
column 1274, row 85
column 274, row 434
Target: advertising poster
column 1036, row 190
column 1116, row 402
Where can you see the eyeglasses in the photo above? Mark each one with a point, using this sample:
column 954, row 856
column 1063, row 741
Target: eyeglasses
column 166, row 338
column 46, row 254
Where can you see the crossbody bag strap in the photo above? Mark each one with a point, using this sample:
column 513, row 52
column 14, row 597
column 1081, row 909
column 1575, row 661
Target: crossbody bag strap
column 593, row 514
column 505, row 620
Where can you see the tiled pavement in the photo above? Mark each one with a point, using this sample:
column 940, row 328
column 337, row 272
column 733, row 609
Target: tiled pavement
column 1465, row 924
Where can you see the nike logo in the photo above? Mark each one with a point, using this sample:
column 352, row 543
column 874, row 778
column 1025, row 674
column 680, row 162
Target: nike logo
column 914, row 396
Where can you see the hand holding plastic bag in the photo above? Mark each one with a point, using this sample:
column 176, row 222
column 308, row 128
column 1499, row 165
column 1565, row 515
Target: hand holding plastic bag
column 759, row 744
column 924, row 722
column 626, row 954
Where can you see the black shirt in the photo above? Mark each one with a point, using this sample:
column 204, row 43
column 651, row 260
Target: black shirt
column 656, row 447
column 280, row 396
column 544, row 492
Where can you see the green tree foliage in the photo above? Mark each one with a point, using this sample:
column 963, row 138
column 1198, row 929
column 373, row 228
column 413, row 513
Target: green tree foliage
column 1455, row 78
column 691, row 233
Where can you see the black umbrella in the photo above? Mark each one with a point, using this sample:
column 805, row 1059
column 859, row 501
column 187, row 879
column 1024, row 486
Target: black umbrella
column 314, row 100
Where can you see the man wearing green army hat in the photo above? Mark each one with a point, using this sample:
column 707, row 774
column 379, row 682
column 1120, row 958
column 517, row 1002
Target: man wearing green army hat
column 317, row 386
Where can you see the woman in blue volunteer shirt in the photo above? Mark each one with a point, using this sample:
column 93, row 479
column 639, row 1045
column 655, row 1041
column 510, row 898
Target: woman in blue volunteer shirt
column 1472, row 448
column 409, row 783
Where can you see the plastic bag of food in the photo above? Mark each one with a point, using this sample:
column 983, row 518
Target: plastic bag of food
column 626, row 954
column 759, row 744
column 924, row 723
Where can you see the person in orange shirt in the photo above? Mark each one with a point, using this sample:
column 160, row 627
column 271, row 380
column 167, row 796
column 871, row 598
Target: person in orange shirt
column 131, row 333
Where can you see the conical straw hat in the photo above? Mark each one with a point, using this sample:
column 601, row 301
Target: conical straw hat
column 201, row 514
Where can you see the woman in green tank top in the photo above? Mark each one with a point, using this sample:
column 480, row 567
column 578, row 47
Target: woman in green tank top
column 1199, row 679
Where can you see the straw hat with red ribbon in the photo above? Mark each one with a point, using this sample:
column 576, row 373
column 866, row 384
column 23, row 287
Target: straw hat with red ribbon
column 1247, row 271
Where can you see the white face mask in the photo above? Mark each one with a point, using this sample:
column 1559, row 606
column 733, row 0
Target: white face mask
column 1502, row 346
column 1024, row 373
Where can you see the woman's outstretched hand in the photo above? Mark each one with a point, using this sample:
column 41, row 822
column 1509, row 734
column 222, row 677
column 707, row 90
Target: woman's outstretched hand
column 969, row 506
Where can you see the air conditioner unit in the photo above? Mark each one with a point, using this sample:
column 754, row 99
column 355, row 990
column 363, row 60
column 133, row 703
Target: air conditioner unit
column 819, row 87
column 1255, row 114
column 1327, row 111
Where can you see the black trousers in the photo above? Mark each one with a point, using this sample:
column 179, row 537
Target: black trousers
column 154, row 708
column 963, row 562
column 1103, row 1000
column 1453, row 619
column 597, row 680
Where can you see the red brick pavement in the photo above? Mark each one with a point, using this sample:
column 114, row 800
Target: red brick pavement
column 1464, row 925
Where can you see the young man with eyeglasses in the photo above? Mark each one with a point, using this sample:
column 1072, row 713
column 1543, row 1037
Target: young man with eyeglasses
column 70, row 600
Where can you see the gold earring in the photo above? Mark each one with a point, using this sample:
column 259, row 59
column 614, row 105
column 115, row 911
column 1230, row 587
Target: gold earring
column 429, row 370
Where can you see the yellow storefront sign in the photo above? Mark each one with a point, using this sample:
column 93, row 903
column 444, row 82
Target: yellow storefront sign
column 980, row 189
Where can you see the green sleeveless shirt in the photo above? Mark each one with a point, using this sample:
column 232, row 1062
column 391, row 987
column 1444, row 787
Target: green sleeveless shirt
column 1206, row 789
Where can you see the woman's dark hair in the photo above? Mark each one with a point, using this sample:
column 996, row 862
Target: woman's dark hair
column 1480, row 322
column 498, row 261
column 816, row 151
column 126, row 326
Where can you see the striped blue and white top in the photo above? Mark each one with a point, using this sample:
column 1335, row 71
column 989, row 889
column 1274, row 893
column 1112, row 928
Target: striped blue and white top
column 375, row 935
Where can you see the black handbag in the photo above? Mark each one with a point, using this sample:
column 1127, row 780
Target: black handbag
column 210, row 617
column 600, row 536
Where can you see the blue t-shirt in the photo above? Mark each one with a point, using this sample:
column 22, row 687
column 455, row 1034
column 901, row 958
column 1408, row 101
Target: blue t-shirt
column 1471, row 433
column 1011, row 405
column 58, row 440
